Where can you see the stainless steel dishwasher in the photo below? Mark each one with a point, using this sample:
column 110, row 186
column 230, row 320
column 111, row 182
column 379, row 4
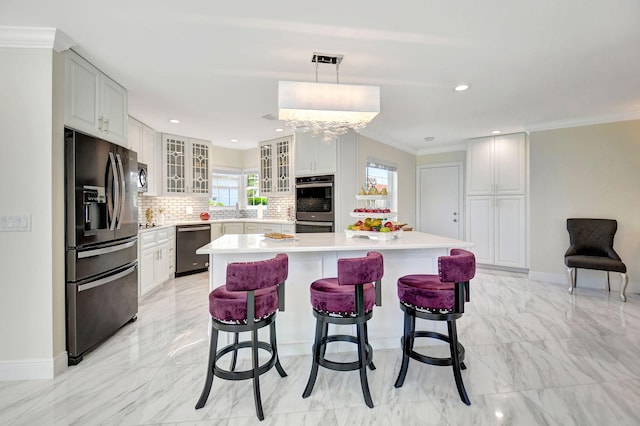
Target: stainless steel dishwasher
column 189, row 238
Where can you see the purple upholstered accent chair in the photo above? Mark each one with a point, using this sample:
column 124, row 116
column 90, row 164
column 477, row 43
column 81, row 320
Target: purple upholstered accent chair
column 253, row 292
column 437, row 298
column 347, row 299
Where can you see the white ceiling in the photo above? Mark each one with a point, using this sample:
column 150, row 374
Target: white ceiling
column 532, row 64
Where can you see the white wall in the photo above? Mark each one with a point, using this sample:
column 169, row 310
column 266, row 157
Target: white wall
column 588, row 171
column 30, row 261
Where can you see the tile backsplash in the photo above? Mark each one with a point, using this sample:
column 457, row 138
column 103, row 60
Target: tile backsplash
column 175, row 209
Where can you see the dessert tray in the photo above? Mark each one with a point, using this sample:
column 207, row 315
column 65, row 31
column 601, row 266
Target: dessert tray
column 372, row 235
column 277, row 236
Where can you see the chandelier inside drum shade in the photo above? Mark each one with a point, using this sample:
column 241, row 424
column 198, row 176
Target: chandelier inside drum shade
column 326, row 108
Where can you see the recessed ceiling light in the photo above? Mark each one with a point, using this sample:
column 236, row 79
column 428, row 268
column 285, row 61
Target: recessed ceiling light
column 429, row 139
column 461, row 87
column 174, row 121
column 495, row 132
column 279, row 130
column 234, row 140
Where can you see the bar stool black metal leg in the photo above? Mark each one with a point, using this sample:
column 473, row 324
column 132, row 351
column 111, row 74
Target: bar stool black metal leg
column 455, row 357
column 325, row 333
column 256, row 376
column 406, row 348
column 362, row 360
column 317, row 350
column 372, row 366
column 234, row 356
column 274, row 345
column 213, row 346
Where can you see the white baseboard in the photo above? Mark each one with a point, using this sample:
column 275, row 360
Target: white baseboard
column 33, row 369
column 586, row 278
column 549, row 277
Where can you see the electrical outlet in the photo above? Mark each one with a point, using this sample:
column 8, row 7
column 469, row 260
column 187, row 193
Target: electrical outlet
column 189, row 210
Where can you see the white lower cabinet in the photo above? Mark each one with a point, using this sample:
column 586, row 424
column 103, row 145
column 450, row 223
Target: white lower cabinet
column 216, row 231
column 496, row 225
column 233, row 228
column 220, row 229
column 288, row 228
column 251, row 228
column 267, row 228
column 156, row 258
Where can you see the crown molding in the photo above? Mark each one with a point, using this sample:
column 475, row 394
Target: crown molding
column 35, row 38
column 462, row 146
column 584, row 121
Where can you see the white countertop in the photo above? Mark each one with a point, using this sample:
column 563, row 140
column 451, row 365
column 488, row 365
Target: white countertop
column 338, row 241
column 212, row 221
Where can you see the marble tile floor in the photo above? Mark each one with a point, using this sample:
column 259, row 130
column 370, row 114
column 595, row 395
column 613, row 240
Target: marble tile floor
column 535, row 356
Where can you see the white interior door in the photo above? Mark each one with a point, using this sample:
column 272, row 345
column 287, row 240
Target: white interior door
column 439, row 199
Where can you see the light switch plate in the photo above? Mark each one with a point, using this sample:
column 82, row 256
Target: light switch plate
column 15, row 223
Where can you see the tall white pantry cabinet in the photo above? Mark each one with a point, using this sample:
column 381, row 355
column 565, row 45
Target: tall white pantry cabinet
column 496, row 199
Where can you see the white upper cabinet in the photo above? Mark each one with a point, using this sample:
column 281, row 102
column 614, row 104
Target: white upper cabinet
column 143, row 140
column 275, row 167
column 314, row 156
column 94, row 104
column 497, row 165
column 186, row 165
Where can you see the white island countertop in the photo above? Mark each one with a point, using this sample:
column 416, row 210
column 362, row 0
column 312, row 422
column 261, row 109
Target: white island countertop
column 338, row 241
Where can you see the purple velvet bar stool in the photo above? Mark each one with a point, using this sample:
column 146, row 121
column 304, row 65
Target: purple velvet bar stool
column 248, row 301
column 347, row 299
column 437, row 298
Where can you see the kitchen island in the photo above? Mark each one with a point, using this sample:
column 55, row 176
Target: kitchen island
column 314, row 256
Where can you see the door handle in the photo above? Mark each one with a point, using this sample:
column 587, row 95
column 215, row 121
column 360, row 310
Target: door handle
column 116, row 192
column 121, row 192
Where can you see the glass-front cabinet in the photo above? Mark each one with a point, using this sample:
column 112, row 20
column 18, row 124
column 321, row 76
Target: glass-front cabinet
column 275, row 166
column 186, row 165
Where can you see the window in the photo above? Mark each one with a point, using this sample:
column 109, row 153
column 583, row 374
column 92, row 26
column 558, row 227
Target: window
column 252, row 185
column 229, row 187
column 381, row 175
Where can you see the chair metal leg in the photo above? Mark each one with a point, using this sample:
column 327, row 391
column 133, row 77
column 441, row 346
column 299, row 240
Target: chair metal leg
column 234, row 356
column 362, row 360
column 608, row 282
column 406, row 348
column 211, row 365
column 573, row 276
column 453, row 345
column 317, row 350
column 623, row 287
column 256, row 376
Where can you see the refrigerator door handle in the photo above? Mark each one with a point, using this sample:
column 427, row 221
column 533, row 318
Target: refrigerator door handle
column 116, row 191
column 107, row 280
column 98, row 252
column 121, row 191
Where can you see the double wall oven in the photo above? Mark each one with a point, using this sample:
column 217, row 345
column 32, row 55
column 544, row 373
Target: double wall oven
column 315, row 196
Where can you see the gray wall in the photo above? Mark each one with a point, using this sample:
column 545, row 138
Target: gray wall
column 444, row 157
column 369, row 148
column 588, row 171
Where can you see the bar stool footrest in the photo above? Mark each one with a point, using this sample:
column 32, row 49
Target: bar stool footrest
column 429, row 359
column 244, row 374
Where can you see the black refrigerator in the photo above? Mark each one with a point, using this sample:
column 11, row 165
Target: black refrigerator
column 101, row 238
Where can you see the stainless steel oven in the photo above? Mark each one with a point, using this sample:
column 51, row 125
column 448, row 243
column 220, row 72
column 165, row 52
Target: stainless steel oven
column 315, row 204
column 304, row 227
